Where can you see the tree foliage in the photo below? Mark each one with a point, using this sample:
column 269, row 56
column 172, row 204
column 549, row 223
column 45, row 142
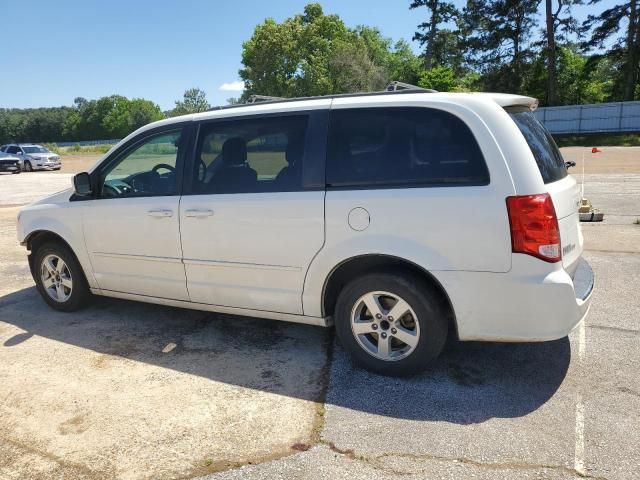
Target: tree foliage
column 194, row 100
column 317, row 54
column 109, row 117
column 608, row 26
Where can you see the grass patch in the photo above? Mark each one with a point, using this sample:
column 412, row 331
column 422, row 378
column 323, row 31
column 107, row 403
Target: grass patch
column 605, row 140
column 79, row 149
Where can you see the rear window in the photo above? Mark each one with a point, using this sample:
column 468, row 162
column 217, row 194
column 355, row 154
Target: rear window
column 388, row 147
column 544, row 148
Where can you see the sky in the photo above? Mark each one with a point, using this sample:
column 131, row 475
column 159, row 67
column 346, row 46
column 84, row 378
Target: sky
column 54, row 51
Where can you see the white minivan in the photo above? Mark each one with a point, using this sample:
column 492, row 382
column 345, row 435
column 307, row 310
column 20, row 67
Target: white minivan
column 399, row 217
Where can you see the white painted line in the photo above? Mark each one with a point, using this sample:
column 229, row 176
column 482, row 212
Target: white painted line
column 578, row 459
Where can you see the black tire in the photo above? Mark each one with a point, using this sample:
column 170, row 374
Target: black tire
column 27, row 166
column 79, row 293
column 421, row 299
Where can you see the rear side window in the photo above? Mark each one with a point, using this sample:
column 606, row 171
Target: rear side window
column 544, row 148
column 378, row 147
column 251, row 155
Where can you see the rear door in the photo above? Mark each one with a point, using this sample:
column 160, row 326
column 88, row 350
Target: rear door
column 562, row 187
column 254, row 217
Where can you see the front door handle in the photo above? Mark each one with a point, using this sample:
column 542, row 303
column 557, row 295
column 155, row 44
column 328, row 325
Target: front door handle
column 160, row 212
column 198, row 213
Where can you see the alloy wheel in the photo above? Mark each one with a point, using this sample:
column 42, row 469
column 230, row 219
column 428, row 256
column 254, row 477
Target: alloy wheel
column 385, row 325
column 56, row 278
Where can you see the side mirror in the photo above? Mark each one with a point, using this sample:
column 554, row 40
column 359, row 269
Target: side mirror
column 568, row 165
column 82, row 184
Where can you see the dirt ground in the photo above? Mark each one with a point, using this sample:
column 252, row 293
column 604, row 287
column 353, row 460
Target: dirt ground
column 609, row 160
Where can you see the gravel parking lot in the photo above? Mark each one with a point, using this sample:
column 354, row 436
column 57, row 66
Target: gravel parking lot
column 127, row 390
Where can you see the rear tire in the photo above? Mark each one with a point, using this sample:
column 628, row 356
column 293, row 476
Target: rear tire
column 27, row 166
column 60, row 278
column 391, row 341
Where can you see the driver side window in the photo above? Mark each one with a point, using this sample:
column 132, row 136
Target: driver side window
column 146, row 171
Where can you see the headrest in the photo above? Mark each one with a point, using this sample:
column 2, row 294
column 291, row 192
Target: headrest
column 234, row 151
column 295, row 149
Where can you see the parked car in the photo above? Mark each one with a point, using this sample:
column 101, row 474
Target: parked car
column 400, row 217
column 33, row 157
column 9, row 163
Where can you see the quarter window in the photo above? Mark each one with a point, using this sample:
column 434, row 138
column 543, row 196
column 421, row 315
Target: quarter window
column 250, row 156
column 402, row 146
column 543, row 147
column 148, row 170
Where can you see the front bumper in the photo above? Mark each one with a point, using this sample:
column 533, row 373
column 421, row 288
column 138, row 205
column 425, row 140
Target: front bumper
column 47, row 166
column 9, row 168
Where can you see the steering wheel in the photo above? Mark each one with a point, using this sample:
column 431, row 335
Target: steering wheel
column 110, row 190
column 163, row 165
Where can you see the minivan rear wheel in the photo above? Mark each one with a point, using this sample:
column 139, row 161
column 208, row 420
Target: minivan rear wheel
column 391, row 324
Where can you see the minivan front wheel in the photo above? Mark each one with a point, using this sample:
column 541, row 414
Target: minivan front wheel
column 59, row 277
column 27, row 166
column 391, row 324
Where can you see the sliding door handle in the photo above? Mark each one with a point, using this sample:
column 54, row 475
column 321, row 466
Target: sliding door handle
column 198, row 213
column 160, row 212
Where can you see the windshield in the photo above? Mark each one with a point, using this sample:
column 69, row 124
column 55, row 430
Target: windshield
column 35, row 149
column 544, row 148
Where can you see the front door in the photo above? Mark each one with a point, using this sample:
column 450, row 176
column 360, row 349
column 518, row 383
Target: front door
column 254, row 218
column 132, row 228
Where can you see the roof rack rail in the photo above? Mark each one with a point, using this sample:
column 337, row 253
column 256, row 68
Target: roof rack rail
column 262, row 98
column 396, row 86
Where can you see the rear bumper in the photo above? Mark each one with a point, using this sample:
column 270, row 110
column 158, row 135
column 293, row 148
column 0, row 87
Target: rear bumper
column 521, row 307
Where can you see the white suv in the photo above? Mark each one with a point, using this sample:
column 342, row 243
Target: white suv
column 400, row 217
column 33, row 157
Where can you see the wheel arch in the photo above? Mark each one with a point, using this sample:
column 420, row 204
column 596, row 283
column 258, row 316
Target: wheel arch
column 367, row 263
column 38, row 237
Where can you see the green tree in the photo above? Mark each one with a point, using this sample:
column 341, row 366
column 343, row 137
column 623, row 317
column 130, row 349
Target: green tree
column 625, row 47
column 194, row 100
column 578, row 81
column 317, row 54
column 559, row 24
column 442, row 79
column 430, row 35
column 499, row 40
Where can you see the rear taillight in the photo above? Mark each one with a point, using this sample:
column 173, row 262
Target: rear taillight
column 534, row 226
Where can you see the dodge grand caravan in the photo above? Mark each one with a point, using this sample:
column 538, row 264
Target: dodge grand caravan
column 399, row 217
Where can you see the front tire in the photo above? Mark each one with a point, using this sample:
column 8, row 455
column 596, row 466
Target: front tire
column 391, row 324
column 60, row 278
column 27, row 166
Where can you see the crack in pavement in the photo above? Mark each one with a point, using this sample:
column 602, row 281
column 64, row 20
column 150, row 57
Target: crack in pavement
column 377, row 461
column 614, row 329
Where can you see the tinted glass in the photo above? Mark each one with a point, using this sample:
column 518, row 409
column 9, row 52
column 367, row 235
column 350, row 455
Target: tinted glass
column 544, row 148
column 249, row 156
column 13, row 150
column 402, row 146
column 148, row 170
column 35, row 149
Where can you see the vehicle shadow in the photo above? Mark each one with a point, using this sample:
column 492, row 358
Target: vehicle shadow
column 470, row 383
